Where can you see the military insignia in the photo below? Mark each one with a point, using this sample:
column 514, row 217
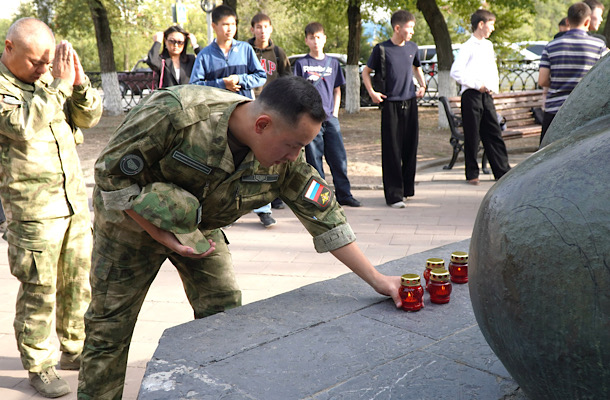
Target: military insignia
column 318, row 193
column 131, row 164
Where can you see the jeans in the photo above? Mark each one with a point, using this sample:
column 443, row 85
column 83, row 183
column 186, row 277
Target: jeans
column 329, row 143
column 266, row 209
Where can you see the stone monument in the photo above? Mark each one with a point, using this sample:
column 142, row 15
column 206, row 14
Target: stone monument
column 540, row 255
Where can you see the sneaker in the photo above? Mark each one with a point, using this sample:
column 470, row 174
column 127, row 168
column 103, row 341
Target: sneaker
column 350, row 202
column 69, row 361
column 398, row 204
column 267, row 220
column 278, row 204
column 48, row 383
column 474, row 181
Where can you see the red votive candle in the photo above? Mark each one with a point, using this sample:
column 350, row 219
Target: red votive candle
column 440, row 286
column 411, row 293
column 458, row 267
column 432, row 263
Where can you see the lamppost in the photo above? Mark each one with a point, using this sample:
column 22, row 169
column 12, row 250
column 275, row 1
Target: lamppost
column 208, row 6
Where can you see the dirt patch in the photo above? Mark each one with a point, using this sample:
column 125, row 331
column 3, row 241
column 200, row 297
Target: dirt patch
column 361, row 133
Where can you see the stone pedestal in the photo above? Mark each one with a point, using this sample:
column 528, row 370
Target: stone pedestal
column 540, row 256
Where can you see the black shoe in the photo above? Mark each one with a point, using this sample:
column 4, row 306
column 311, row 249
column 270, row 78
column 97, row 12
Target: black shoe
column 278, row 204
column 48, row 383
column 267, row 220
column 350, row 202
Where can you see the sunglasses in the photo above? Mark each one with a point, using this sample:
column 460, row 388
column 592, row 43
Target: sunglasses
column 175, row 42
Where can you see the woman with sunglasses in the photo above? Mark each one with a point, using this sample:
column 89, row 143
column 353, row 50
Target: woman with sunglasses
column 173, row 65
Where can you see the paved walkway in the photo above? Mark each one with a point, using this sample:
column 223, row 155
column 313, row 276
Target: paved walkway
column 276, row 260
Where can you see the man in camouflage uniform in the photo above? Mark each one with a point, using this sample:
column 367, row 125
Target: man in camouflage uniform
column 187, row 161
column 43, row 192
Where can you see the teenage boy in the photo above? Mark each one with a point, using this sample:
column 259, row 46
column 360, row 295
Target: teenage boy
column 566, row 60
column 230, row 64
column 475, row 69
column 325, row 73
column 272, row 58
column 399, row 114
column 597, row 9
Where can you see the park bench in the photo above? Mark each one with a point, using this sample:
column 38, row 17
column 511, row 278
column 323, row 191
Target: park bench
column 515, row 107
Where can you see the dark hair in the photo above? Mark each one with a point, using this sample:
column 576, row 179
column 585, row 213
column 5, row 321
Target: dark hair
column 401, row 17
column 313, row 27
column 578, row 13
column 564, row 21
column 291, row 97
column 169, row 31
column 593, row 4
column 260, row 17
column 481, row 15
column 222, row 11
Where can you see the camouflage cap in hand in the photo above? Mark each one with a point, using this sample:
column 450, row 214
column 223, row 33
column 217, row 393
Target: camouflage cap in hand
column 173, row 209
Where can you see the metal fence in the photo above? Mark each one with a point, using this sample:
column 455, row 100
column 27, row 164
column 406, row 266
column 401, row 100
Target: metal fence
column 514, row 76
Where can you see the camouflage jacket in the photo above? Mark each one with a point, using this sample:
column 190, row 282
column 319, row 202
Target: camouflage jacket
column 179, row 135
column 40, row 173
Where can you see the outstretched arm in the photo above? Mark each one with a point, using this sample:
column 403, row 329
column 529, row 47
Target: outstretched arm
column 354, row 259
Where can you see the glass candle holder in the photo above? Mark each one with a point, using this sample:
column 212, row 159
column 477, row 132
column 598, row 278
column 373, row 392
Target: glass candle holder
column 411, row 293
column 432, row 263
column 458, row 267
column 440, row 286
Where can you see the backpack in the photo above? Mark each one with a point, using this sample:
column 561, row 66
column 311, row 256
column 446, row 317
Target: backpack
column 378, row 80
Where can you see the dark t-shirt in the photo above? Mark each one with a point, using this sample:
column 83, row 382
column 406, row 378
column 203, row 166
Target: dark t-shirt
column 399, row 69
column 332, row 76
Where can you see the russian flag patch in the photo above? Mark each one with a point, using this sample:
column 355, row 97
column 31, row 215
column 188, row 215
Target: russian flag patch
column 318, row 193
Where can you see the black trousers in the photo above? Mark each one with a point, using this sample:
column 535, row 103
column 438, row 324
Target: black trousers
column 399, row 139
column 546, row 122
column 480, row 123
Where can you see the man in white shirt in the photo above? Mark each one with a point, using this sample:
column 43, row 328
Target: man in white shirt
column 475, row 69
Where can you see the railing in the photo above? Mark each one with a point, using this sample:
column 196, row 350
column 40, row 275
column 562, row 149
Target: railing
column 514, row 76
column 133, row 85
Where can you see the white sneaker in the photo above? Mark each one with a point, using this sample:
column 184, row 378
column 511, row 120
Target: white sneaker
column 398, row 204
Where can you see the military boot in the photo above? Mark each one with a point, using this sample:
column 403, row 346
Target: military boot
column 48, row 383
column 69, row 361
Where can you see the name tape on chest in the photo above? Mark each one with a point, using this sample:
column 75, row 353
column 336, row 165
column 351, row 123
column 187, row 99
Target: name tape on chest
column 260, row 178
column 318, row 193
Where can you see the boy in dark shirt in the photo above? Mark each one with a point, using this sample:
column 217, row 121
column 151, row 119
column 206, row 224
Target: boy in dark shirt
column 324, row 72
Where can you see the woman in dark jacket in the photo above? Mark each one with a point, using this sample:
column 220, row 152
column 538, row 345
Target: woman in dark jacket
column 173, row 65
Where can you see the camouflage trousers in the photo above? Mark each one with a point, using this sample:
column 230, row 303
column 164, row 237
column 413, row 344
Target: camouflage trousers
column 51, row 258
column 120, row 279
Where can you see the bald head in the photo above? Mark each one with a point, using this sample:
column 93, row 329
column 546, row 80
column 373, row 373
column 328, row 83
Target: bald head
column 29, row 49
column 25, row 30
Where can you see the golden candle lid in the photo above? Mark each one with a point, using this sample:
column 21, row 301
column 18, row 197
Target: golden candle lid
column 435, row 263
column 439, row 275
column 460, row 257
column 410, row 280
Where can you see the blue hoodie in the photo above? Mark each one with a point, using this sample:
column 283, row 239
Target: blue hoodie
column 211, row 66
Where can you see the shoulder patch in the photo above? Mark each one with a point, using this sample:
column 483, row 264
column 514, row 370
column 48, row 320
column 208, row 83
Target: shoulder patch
column 317, row 192
column 9, row 102
column 131, row 164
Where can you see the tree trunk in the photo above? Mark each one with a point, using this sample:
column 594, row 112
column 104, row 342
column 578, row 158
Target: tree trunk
column 105, row 50
column 233, row 5
column 442, row 40
column 606, row 32
column 352, row 87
